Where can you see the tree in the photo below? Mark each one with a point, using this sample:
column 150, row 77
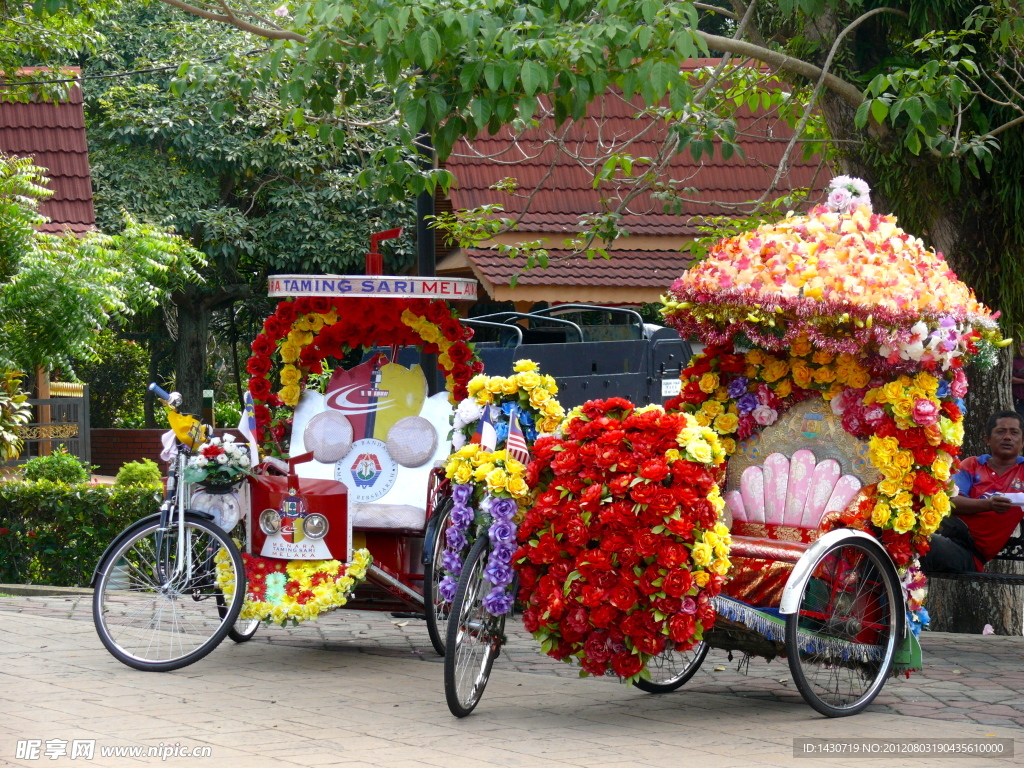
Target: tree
column 253, row 193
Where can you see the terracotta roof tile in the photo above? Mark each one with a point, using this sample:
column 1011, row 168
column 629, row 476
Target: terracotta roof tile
column 625, row 269
column 53, row 135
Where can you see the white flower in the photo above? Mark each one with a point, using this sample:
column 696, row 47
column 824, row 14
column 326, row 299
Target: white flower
column 468, row 411
column 458, row 440
column 839, row 200
column 229, row 438
column 222, row 459
column 281, row 11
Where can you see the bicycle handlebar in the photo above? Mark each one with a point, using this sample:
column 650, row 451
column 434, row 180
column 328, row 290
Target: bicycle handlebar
column 157, row 390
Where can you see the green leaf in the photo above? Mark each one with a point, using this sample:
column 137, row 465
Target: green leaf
column 430, row 44
column 879, row 110
column 415, row 112
column 532, row 74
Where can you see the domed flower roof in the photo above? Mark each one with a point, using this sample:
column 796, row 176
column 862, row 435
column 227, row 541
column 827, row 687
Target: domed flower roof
column 847, row 278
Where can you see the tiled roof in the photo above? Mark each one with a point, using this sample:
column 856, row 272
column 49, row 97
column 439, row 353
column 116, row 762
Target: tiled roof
column 567, row 193
column 53, row 135
column 625, row 269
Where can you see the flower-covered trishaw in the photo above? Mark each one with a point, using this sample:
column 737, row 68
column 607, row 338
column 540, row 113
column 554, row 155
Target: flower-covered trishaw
column 777, row 507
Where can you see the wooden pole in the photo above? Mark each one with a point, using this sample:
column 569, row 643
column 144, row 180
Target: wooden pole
column 43, row 393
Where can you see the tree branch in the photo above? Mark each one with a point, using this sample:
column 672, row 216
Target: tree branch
column 235, row 21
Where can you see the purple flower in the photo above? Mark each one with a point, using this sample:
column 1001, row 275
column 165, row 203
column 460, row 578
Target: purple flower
column 503, row 551
column 502, row 530
column 747, row 403
column 462, row 516
column 462, row 493
column 499, row 574
column 446, row 588
column 738, row 387
column 456, row 539
column 497, row 602
column 689, row 606
column 503, row 509
column 452, row 563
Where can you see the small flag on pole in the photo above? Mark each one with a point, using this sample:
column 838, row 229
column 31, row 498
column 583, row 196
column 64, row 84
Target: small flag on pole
column 485, row 435
column 515, row 445
column 247, row 426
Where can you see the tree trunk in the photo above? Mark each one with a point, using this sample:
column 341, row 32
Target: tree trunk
column 193, row 327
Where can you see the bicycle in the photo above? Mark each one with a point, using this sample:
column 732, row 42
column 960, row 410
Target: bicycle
column 165, row 588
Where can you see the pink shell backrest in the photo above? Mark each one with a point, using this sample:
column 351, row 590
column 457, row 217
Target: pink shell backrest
column 734, row 501
column 776, row 485
column 846, row 488
column 752, row 493
column 801, row 470
column 826, row 474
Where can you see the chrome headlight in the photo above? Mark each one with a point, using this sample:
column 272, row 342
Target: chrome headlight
column 315, row 526
column 270, row 521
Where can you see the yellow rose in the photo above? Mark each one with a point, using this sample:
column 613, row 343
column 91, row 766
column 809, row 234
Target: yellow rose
column 290, row 395
column 942, row 466
column 904, row 521
column 509, row 386
column 775, row 370
column 700, row 451
column 290, row 375
column 751, row 371
column 927, row 382
column 476, row 384
column 463, row 474
column 859, row 379
column 903, row 459
column 801, row 347
column 517, row 486
column 729, row 446
column 495, row 385
column 289, row 352
column 755, row 357
column 710, row 538
column 315, row 322
column 712, row 408
column 702, row 419
column 903, row 500
column 528, row 379
column 483, row 397
column 823, row 357
column 802, row 377
column 672, row 455
column 538, row 396
column 903, row 408
column 825, row 375
column 720, row 566
column 930, row 520
column 892, row 391
column 888, row 487
column 480, row 473
column 784, row 389
column 952, row 431
column 701, row 554
column 522, row 366
column 548, row 382
column 429, row 333
column 726, row 423
column 497, row 480
column 708, row 382
column 701, row 578
column 444, row 361
column 721, row 394
column 941, row 502
column 880, row 514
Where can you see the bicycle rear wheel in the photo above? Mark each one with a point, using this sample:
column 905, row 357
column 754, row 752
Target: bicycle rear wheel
column 243, row 629
column 437, row 609
column 671, row 669
column 160, row 603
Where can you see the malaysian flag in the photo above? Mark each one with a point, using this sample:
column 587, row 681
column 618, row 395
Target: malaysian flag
column 515, row 445
column 247, row 426
column 485, row 434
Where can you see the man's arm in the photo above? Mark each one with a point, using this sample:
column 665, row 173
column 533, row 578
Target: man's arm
column 962, row 505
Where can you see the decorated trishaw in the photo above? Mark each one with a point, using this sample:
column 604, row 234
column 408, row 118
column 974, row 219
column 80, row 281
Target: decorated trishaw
column 777, row 507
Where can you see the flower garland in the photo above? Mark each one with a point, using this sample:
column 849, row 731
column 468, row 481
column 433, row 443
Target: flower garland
column 306, row 330
column 623, row 548
column 497, row 480
column 913, row 424
column 279, row 591
column 847, row 280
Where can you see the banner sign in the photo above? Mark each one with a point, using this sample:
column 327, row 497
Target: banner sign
column 386, row 286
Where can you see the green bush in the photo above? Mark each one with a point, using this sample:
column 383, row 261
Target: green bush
column 54, row 533
column 117, row 381
column 58, row 467
column 227, row 413
column 145, row 472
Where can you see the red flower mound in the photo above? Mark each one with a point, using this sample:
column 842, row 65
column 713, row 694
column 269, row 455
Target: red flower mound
column 604, row 562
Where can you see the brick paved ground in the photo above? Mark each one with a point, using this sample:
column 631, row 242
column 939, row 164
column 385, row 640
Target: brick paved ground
column 966, row 677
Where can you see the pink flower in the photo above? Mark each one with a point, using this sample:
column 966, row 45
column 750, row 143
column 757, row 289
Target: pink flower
column 764, row 415
column 958, row 387
column 925, row 412
column 839, row 200
column 874, row 415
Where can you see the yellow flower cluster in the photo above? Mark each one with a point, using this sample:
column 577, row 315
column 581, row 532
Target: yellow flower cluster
column 901, row 394
column 300, row 335
column 808, row 369
column 700, row 443
column 532, row 390
column 496, row 469
column 710, row 552
column 329, row 594
column 432, row 334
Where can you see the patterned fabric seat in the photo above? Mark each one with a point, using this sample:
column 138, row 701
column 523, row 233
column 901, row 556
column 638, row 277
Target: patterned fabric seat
column 777, row 512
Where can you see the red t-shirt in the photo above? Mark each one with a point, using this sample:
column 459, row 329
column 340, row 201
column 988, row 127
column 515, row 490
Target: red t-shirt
column 990, row 530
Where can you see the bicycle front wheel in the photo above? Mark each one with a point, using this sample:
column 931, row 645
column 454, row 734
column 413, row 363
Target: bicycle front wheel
column 166, row 598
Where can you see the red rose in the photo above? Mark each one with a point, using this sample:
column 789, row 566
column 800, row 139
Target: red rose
column 951, row 410
column 531, row 619
column 626, row 664
column 258, row 366
column 623, row 597
column 262, row 346
column 925, row 455
column 677, row 582
column 462, row 374
column 597, row 648
column 303, row 305
column 667, row 605
column 647, row 543
column 655, row 469
column 477, row 366
column 681, row 627
column 259, row 388
column 644, row 493
column 460, row 352
column 286, row 312
column 925, row 484
column 451, row 329
column 274, row 328
column 437, row 312
column 650, row 644
column 604, row 615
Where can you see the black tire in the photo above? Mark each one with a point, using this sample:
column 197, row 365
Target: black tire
column 434, row 606
column 474, row 636
column 152, row 619
column 841, row 643
column 243, row 629
column 672, row 669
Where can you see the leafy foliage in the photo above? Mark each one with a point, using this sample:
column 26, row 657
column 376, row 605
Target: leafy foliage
column 116, row 376
column 145, row 472
column 59, row 467
column 14, row 412
column 54, row 533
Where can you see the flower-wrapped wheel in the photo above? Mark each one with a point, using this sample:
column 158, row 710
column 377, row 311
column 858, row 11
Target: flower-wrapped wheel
column 475, row 635
column 672, row 669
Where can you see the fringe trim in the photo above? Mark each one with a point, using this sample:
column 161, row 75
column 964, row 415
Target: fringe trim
column 774, row 629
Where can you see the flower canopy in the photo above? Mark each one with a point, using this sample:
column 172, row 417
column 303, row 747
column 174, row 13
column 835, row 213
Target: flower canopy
column 848, row 280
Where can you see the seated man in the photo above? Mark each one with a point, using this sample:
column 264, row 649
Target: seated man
column 982, row 520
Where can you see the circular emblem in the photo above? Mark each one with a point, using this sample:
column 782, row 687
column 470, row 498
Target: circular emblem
column 367, row 470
